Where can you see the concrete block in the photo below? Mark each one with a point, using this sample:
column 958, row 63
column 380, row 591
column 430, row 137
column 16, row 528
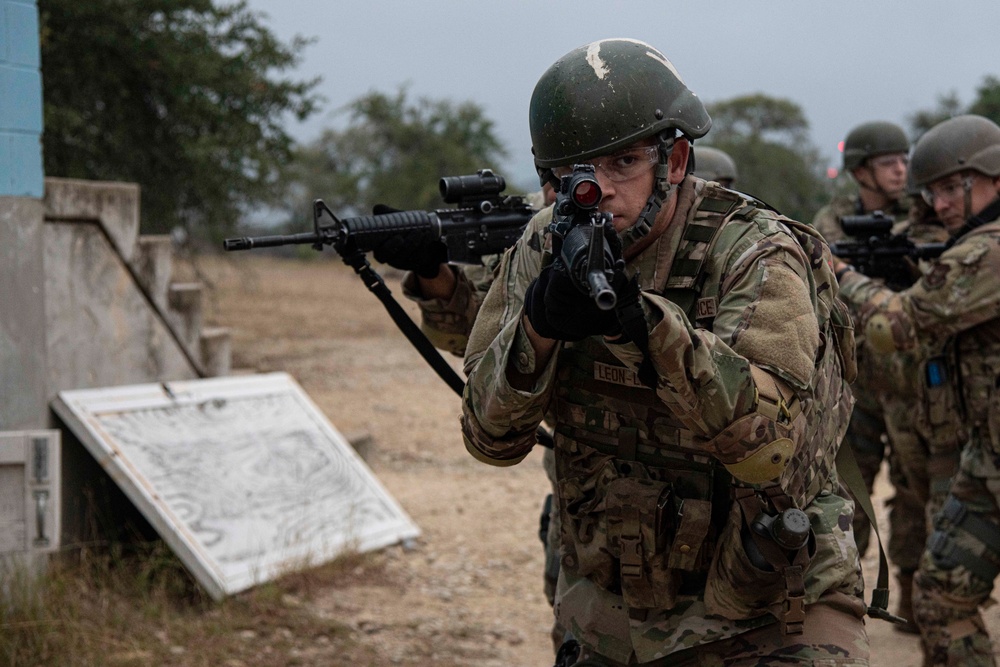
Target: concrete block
column 185, row 313
column 153, row 266
column 30, row 472
column 114, row 205
column 20, row 99
column 100, row 328
column 216, row 351
column 21, row 35
column 21, row 165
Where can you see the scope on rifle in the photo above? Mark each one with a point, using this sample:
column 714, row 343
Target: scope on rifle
column 482, row 185
column 875, row 223
column 580, row 190
column 579, row 228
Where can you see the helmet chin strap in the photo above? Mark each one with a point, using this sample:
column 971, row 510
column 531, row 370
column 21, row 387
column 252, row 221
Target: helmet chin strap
column 662, row 189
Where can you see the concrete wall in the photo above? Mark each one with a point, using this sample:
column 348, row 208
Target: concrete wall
column 103, row 326
column 22, row 297
column 23, row 394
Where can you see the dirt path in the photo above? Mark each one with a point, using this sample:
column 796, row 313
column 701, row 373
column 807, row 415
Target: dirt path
column 470, row 590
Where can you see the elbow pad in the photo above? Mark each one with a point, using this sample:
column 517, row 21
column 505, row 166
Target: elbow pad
column 757, row 447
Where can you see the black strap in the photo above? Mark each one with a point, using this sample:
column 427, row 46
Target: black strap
column 376, row 285
column 850, row 474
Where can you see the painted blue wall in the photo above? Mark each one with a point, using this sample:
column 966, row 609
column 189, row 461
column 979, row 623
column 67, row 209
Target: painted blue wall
column 20, row 100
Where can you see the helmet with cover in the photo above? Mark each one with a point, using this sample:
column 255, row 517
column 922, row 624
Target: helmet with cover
column 711, row 164
column 962, row 143
column 870, row 139
column 608, row 95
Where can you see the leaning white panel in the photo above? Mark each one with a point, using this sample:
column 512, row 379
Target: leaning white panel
column 243, row 477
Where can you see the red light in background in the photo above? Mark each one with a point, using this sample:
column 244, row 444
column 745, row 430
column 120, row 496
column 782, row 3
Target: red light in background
column 840, row 146
column 831, row 172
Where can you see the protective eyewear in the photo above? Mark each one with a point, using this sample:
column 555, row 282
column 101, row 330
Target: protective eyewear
column 621, row 166
column 885, row 161
column 949, row 191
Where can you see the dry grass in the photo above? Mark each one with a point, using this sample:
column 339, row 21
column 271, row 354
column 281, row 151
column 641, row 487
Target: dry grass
column 109, row 607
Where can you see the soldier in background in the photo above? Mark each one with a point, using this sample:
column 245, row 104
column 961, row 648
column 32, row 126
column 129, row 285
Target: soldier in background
column 875, row 155
column 703, row 404
column 712, row 164
column 951, row 317
column 449, row 298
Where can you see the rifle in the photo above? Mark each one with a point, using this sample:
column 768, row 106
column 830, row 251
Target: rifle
column 579, row 236
column 878, row 253
column 483, row 223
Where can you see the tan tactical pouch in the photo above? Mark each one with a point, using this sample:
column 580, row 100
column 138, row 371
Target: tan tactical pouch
column 640, row 530
column 633, row 534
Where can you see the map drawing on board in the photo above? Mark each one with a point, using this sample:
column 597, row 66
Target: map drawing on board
column 243, row 477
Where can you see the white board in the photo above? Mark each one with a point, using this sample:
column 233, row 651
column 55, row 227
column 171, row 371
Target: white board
column 243, row 477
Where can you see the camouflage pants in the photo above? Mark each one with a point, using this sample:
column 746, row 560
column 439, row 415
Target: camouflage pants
column 957, row 569
column 908, row 472
column 834, row 634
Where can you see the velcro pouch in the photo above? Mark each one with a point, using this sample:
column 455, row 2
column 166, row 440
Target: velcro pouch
column 640, row 514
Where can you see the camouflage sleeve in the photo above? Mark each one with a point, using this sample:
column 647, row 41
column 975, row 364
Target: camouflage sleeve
column 763, row 345
column 956, row 292
column 499, row 421
column 447, row 323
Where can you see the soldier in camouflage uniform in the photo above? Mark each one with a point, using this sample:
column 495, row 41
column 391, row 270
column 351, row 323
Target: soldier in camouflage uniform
column 875, row 156
column 713, row 397
column 711, row 164
column 951, row 317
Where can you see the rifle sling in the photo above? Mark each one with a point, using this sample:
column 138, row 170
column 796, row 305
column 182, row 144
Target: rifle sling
column 850, row 474
column 376, row 285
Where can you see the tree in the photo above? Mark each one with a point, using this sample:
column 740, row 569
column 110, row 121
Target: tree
column 987, row 103
column 179, row 96
column 768, row 139
column 392, row 151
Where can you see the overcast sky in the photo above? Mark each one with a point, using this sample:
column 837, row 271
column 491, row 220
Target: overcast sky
column 843, row 62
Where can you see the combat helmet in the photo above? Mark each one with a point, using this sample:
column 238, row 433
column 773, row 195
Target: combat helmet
column 870, row 139
column 605, row 96
column 711, row 164
column 961, row 143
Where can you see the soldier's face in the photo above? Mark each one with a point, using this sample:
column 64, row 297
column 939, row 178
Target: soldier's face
column 626, row 199
column 889, row 173
column 949, row 197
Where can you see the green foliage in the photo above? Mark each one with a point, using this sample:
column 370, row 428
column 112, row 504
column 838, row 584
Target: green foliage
column 179, row 96
column 987, row 103
column 392, row 152
column 768, row 139
column 988, row 99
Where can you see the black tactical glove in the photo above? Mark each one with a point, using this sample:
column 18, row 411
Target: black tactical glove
column 558, row 310
column 417, row 251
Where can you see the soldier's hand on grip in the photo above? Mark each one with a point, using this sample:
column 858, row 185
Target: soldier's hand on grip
column 559, row 310
column 414, row 251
